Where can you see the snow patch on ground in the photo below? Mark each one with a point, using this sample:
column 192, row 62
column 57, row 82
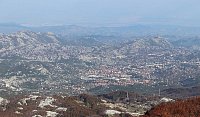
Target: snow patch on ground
column 51, row 114
column 24, row 100
column 19, row 103
column 37, row 116
column 135, row 114
column 47, row 102
column 164, row 99
column 17, row 112
column 104, row 101
column 20, row 108
column 61, row 109
column 34, row 110
column 112, row 112
column 3, row 101
column 33, row 97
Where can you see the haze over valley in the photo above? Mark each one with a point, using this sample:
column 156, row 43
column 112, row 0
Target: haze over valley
column 99, row 58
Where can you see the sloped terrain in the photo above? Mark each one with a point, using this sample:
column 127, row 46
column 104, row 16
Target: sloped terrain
column 36, row 105
column 181, row 92
column 114, row 104
column 179, row 108
column 50, row 63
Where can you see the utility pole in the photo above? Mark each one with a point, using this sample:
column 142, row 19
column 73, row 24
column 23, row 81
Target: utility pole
column 127, row 100
column 159, row 92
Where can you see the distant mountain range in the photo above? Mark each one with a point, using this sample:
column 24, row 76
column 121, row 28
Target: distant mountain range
column 125, row 31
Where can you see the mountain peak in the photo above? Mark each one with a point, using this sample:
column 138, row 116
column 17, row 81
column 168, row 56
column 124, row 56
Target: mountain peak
column 150, row 42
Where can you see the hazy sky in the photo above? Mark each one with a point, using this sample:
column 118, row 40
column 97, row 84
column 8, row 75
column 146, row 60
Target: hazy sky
column 100, row 12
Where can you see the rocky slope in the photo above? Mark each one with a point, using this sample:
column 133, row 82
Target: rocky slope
column 84, row 105
column 114, row 104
